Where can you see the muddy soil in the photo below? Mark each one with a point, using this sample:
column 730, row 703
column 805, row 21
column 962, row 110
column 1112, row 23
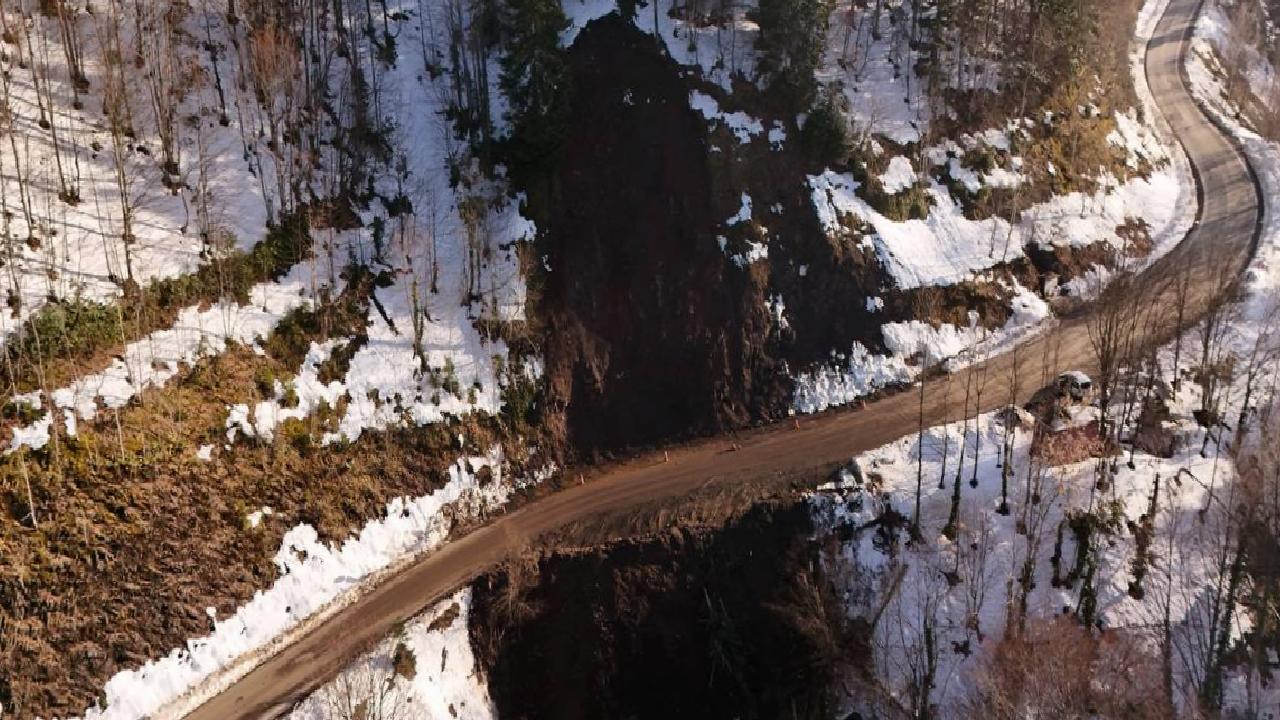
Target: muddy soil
column 708, row 623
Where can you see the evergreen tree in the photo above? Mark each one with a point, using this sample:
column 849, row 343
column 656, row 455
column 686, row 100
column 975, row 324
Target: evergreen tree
column 792, row 39
column 534, row 78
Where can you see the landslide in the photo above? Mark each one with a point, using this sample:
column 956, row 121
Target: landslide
column 649, row 333
column 652, row 326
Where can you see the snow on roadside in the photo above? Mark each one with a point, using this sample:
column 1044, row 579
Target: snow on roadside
column 1214, row 27
column 1187, row 199
column 1262, row 277
column 946, row 247
column 914, row 345
column 847, row 377
column 316, row 580
column 446, row 684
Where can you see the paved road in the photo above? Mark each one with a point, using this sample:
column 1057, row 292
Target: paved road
column 1222, row 238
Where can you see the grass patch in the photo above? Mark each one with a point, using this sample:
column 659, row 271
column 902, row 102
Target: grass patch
column 64, row 339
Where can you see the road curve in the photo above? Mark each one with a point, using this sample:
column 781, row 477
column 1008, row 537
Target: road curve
column 1225, row 233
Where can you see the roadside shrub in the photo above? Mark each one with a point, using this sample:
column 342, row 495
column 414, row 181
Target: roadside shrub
column 69, row 328
column 296, row 433
column 290, row 398
column 909, row 204
column 291, row 338
column 77, row 329
column 21, row 412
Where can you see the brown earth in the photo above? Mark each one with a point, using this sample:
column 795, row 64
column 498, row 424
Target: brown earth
column 650, row 335
column 702, row 621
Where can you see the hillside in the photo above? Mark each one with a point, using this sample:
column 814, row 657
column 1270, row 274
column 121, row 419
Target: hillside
column 296, row 290
column 1022, row 563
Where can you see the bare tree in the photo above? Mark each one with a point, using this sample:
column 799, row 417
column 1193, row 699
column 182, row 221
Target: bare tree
column 1111, row 328
column 274, row 70
column 1010, row 434
column 908, row 639
column 477, row 224
column 1261, row 361
column 1181, row 285
column 953, row 517
column 69, row 31
column 974, row 569
column 159, row 55
column 925, row 305
column 1216, row 364
column 979, row 387
column 1039, row 499
column 368, row 690
column 116, row 106
column 1260, row 490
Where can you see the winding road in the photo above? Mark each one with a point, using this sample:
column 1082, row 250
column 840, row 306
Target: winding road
column 1222, row 238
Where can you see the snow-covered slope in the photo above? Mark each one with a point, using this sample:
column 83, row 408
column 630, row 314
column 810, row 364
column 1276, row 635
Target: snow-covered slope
column 441, row 235
column 445, row 684
column 1170, row 516
column 62, row 189
column 421, row 359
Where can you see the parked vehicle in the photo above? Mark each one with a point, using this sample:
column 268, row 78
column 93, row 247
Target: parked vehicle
column 1076, row 386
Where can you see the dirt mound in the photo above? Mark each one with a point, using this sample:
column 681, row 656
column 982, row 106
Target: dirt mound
column 711, row 624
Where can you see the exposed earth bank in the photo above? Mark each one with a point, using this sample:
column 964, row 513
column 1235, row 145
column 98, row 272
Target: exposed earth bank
column 650, row 333
column 732, row 622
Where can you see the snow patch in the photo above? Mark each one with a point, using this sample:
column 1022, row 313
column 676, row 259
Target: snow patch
column 447, row 684
column 743, row 126
column 898, row 176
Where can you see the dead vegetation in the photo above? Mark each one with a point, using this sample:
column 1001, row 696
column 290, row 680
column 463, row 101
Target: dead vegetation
column 1056, row 668
column 141, row 529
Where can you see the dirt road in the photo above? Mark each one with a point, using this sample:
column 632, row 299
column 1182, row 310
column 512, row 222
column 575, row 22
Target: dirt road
column 1223, row 237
